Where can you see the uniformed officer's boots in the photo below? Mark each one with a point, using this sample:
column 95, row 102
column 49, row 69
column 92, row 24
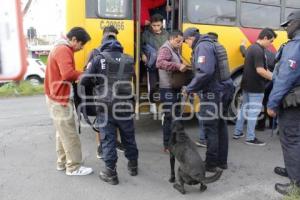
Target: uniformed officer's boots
column 133, row 167
column 110, row 176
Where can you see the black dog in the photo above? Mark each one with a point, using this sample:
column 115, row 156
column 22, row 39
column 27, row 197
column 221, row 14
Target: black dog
column 192, row 168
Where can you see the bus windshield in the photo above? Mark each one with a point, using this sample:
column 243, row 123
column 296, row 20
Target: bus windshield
column 112, row 9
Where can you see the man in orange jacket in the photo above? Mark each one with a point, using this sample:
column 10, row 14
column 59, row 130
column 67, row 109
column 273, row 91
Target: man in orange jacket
column 60, row 73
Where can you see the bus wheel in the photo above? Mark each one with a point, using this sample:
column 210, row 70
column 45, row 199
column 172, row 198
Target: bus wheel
column 237, row 99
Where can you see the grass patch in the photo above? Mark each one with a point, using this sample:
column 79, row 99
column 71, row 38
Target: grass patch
column 295, row 195
column 24, row 88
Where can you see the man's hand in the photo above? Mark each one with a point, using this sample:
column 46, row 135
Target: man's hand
column 271, row 113
column 144, row 58
column 184, row 91
column 183, row 67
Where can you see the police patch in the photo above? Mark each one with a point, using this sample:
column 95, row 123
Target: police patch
column 293, row 64
column 201, row 59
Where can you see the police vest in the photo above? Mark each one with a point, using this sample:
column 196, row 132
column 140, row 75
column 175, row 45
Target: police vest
column 117, row 71
column 222, row 70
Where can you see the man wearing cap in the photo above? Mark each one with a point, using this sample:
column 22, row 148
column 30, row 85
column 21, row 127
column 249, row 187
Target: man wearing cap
column 284, row 102
column 211, row 91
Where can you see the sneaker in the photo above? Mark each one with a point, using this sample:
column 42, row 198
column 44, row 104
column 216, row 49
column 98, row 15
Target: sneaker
column 132, row 167
column 60, row 168
column 256, row 142
column 120, row 147
column 81, row 171
column 110, row 176
column 99, row 152
column 201, row 143
column 153, row 108
column 238, row 136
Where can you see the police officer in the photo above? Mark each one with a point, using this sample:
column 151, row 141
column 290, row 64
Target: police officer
column 111, row 73
column 284, row 102
column 213, row 93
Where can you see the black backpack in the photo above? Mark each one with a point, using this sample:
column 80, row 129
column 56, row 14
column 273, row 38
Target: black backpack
column 85, row 107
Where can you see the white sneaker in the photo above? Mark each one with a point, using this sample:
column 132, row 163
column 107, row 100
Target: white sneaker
column 153, row 108
column 82, row 171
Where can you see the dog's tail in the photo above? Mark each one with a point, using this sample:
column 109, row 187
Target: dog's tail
column 213, row 178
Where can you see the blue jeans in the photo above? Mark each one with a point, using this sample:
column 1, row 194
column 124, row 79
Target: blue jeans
column 250, row 109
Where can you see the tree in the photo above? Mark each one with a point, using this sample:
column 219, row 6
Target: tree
column 27, row 6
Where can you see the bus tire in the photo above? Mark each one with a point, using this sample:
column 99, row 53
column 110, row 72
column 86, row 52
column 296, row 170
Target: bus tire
column 237, row 99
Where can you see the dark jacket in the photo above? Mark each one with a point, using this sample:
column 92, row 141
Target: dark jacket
column 151, row 54
column 287, row 76
column 204, row 64
column 155, row 40
column 96, row 66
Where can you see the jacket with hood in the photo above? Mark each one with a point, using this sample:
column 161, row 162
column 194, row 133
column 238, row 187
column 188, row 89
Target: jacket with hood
column 60, row 72
column 99, row 66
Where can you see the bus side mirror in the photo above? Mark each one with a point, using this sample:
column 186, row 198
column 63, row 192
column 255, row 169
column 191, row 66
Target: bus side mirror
column 12, row 42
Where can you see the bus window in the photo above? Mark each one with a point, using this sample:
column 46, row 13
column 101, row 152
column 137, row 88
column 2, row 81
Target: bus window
column 269, row 2
column 260, row 16
column 293, row 3
column 221, row 12
column 111, row 9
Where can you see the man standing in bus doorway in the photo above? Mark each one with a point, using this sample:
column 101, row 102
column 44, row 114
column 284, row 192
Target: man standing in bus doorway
column 60, row 72
column 215, row 93
column 284, row 101
column 152, row 39
column 109, row 32
column 172, row 78
column 115, row 106
column 253, row 85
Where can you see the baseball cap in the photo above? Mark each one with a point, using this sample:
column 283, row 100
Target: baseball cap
column 190, row 32
column 111, row 29
column 292, row 16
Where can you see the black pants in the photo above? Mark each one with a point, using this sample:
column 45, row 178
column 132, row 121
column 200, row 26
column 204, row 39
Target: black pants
column 169, row 97
column 152, row 80
column 289, row 127
column 108, row 128
column 261, row 123
column 215, row 128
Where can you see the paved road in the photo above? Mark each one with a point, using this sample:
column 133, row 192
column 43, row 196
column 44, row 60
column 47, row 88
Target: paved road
column 27, row 163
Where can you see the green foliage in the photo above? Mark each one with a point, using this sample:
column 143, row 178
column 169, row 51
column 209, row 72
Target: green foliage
column 24, row 88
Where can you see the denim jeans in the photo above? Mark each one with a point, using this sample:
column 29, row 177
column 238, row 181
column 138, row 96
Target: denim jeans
column 169, row 97
column 250, row 109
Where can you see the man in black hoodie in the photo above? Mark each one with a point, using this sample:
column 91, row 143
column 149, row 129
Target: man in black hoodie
column 110, row 73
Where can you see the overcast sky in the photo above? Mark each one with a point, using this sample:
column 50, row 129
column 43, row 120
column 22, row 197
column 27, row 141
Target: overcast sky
column 47, row 16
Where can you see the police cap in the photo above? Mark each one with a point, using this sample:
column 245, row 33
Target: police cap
column 190, row 32
column 110, row 29
column 292, row 16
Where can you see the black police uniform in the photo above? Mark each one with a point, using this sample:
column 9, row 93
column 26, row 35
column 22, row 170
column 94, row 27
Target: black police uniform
column 213, row 97
column 112, row 95
column 286, row 78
